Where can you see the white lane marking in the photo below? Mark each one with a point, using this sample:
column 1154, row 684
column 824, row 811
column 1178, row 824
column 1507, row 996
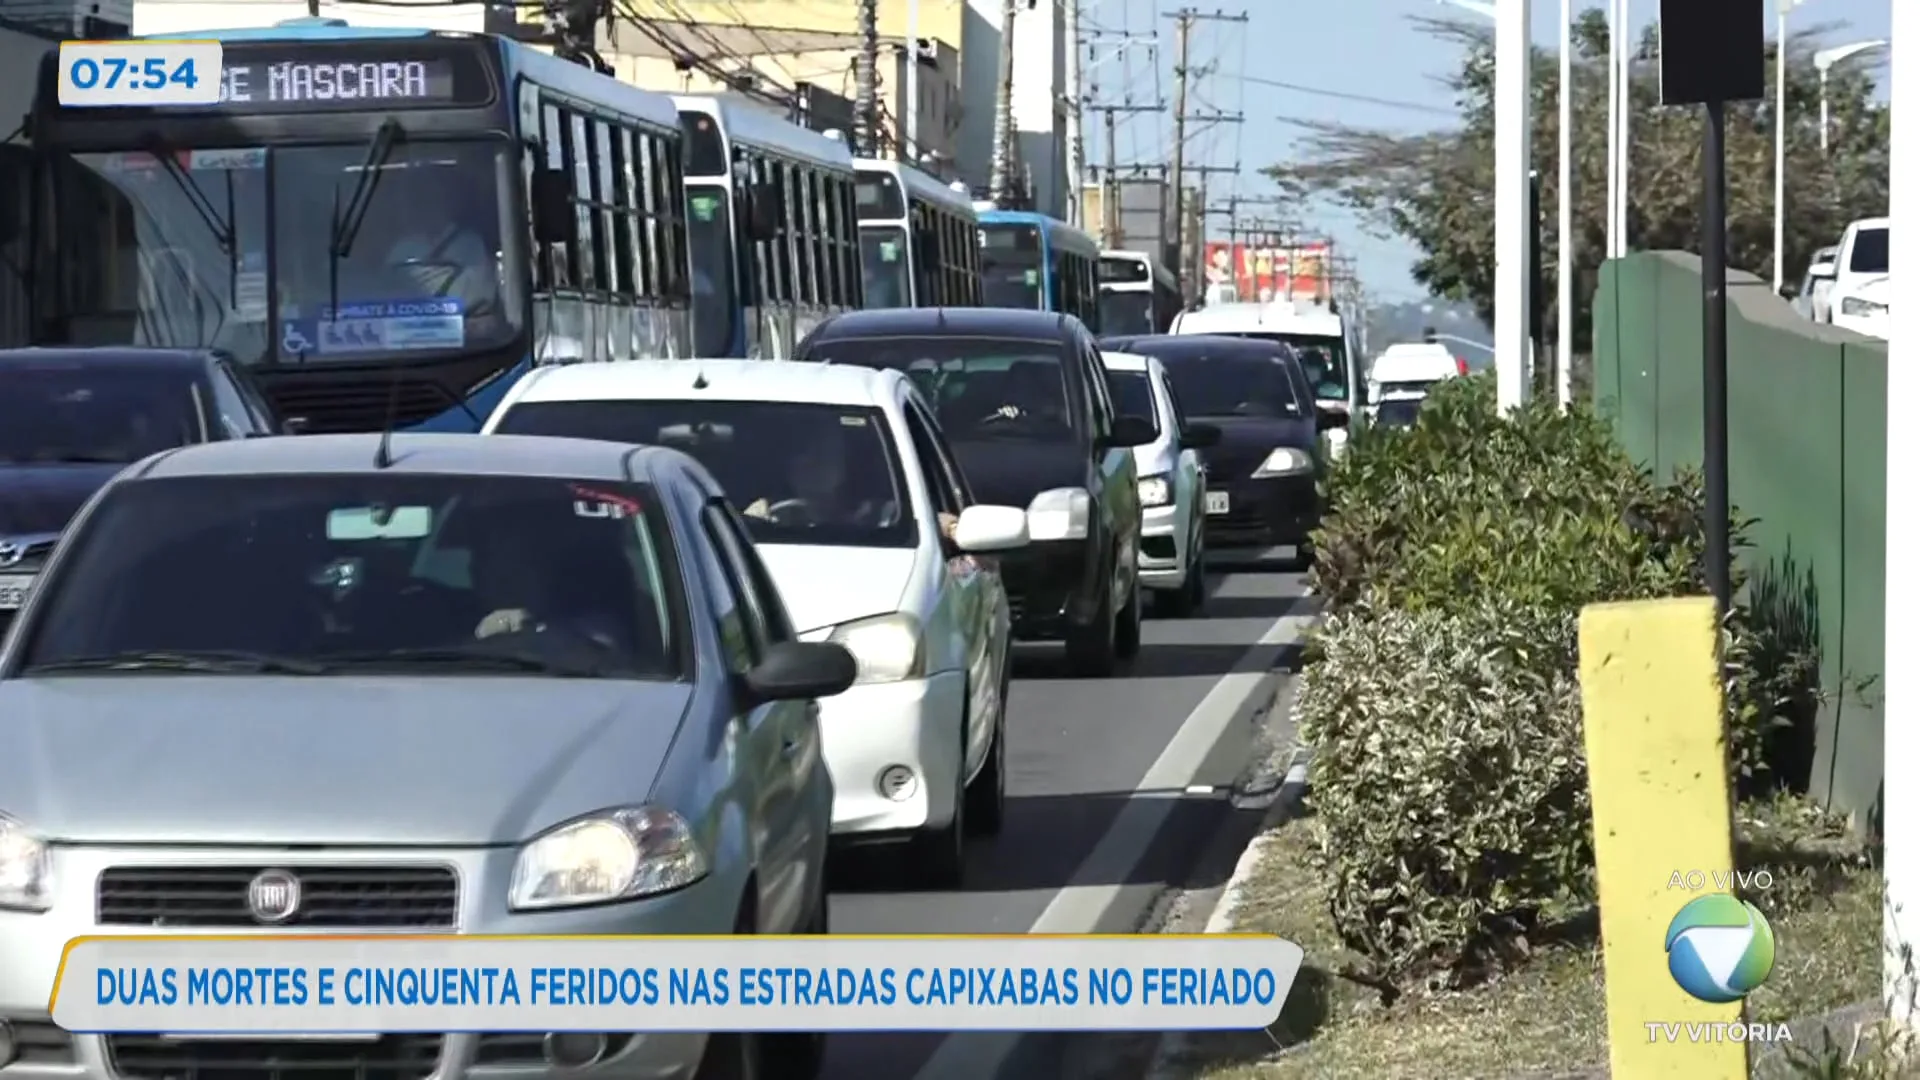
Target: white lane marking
column 1078, row 908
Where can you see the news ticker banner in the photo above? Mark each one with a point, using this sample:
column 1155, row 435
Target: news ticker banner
column 342, row 986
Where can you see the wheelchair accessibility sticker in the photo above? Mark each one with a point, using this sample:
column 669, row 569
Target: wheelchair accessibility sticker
column 385, row 326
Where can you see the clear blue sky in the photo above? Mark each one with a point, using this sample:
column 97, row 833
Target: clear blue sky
column 1364, row 49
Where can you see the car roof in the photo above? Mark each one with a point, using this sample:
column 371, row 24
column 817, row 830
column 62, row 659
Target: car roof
column 1414, row 361
column 493, row 455
column 719, row 380
column 112, row 357
column 1174, row 346
column 980, row 322
column 1277, row 316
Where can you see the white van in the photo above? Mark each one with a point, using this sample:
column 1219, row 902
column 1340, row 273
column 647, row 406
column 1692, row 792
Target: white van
column 1315, row 329
column 1412, row 368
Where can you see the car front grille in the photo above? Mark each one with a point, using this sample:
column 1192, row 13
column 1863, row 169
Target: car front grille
column 331, row 897
column 390, row 1057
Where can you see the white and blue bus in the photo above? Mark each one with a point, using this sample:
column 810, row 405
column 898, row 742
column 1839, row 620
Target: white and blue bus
column 1037, row 262
column 1138, row 294
column 387, row 226
column 919, row 238
column 774, row 238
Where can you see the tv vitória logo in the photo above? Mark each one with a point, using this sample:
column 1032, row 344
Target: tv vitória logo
column 1719, row 948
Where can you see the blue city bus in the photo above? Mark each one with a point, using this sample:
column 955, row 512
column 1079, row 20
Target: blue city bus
column 775, row 240
column 387, row 226
column 1030, row 260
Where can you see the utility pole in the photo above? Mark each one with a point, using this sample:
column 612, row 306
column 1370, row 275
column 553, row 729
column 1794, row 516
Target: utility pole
column 866, row 78
column 1076, row 100
column 1000, row 178
column 1103, row 47
column 1184, row 72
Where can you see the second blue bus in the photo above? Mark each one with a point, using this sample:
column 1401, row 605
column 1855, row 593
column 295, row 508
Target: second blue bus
column 1033, row 261
column 386, row 225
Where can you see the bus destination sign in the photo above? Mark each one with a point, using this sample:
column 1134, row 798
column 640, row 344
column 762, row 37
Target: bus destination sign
column 326, row 84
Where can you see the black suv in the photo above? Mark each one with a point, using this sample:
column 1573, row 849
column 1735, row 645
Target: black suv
column 72, row 418
column 1022, row 397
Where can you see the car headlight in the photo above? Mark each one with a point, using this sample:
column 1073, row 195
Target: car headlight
column 1859, row 308
column 885, row 648
column 25, row 869
column 1285, row 461
column 1059, row 514
column 612, row 855
column 1155, row 491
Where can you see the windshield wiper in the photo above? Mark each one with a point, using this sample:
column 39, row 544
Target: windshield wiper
column 347, row 221
column 479, row 660
column 215, row 661
column 196, row 196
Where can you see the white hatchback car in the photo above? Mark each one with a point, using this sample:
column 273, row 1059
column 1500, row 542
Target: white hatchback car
column 1173, row 483
column 856, row 507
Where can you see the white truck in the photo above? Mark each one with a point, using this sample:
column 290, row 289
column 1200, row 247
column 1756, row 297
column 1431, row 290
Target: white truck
column 1858, row 299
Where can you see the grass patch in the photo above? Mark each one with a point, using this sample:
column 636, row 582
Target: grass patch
column 1547, row 1017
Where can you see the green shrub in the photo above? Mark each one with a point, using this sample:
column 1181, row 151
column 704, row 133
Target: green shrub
column 1449, row 779
column 1442, row 693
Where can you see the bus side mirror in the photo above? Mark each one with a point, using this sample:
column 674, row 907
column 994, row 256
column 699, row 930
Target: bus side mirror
column 553, row 220
column 763, row 211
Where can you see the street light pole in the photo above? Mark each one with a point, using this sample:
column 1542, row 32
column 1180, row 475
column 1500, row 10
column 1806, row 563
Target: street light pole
column 1780, row 143
column 1564, row 267
column 1512, row 224
column 1624, row 151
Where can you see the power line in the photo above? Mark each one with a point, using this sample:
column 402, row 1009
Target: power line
column 1341, row 95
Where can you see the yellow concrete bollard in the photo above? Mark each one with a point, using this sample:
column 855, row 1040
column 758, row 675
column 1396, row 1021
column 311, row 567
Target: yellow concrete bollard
column 1657, row 769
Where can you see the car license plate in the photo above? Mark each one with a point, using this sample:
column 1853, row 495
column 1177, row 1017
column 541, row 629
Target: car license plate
column 1216, row 502
column 13, row 590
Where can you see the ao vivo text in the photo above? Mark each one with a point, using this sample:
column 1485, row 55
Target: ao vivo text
column 1717, row 1031
column 1722, row 881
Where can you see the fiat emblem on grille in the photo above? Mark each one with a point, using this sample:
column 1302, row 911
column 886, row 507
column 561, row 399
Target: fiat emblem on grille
column 11, row 552
column 273, row 896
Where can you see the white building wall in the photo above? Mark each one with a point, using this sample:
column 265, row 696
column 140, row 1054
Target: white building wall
column 1038, row 120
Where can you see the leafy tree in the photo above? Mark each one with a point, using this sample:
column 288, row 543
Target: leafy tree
column 1436, row 187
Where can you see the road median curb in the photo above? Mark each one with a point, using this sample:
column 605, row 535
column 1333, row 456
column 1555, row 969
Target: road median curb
column 1169, row 1056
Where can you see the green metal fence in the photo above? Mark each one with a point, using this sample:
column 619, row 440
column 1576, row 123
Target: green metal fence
column 1807, row 427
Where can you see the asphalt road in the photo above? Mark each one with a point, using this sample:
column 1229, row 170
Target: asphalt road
column 1114, row 786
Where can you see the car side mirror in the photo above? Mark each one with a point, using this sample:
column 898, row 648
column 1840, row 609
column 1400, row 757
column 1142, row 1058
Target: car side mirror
column 1331, row 419
column 1131, row 431
column 1199, row 436
column 764, row 212
column 551, row 197
column 800, row 671
column 294, row 425
column 985, row 529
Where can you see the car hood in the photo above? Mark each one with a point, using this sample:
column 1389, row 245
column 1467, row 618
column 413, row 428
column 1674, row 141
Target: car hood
column 1245, row 441
column 1010, row 472
column 827, row 586
column 43, row 498
column 434, row 761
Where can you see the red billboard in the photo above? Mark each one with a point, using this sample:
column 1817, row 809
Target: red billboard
column 1269, row 271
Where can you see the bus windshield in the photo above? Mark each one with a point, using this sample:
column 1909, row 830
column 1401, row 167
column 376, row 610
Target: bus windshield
column 710, row 243
column 883, row 265
column 190, row 261
column 1126, row 312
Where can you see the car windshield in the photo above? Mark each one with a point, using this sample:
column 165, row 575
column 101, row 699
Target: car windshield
column 1323, row 358
column 78, row 414
column 1133, row 396
column 425, row 574
column 185, row 256
column 883, row 266
column 982, row 388
column 710, row 249
column 1226, row 385
column 799, row 473
column 1397, row 412
column 1869, row 252
column 1126, row 312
